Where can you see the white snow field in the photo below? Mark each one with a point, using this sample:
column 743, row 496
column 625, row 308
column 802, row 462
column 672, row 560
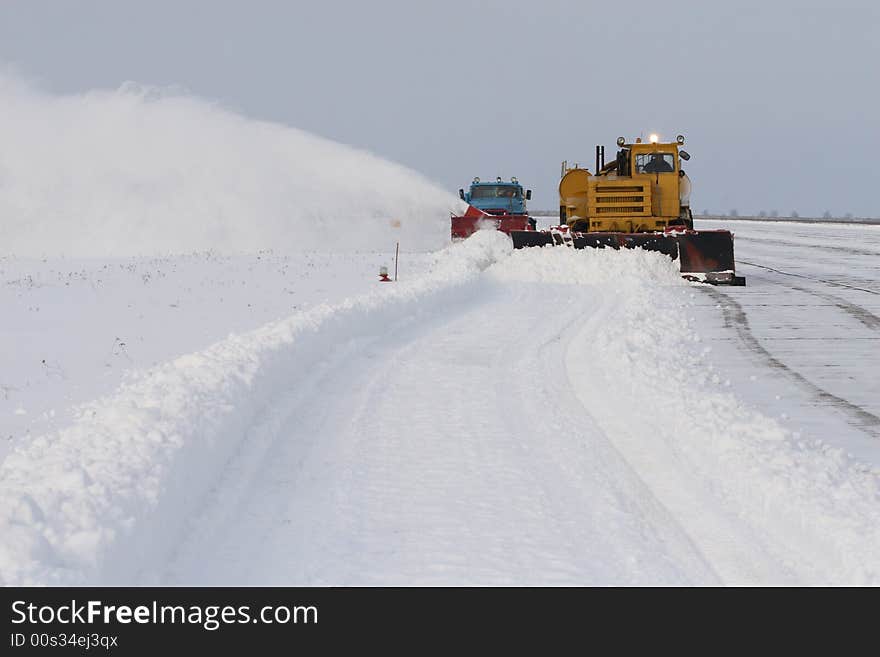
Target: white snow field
column 203, row 382
column 74, row 328
column 543, row 416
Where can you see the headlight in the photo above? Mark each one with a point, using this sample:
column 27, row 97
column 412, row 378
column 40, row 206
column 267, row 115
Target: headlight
column 621, row 141
column 680, row 140
column 654, row 138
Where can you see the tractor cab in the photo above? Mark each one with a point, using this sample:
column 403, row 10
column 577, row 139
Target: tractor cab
column 660, row 163
column 653, row 157
column 498, row 197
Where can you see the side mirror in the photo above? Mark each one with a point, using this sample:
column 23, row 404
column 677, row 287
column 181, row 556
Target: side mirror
column 528, row 194
column 461, row 194
column 684, row 155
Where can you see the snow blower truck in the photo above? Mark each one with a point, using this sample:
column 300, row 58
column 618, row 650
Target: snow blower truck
column 641, row 199
column 495, row 205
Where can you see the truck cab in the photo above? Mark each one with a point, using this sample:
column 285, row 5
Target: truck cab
column 498, row 197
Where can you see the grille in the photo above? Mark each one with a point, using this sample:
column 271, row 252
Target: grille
column 620, row 199
column 618, row 209
column 620, row 188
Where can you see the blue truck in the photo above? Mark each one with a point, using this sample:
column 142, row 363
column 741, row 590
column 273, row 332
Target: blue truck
column 499, row 204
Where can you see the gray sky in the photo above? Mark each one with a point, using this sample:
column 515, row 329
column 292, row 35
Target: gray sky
column 778, row 100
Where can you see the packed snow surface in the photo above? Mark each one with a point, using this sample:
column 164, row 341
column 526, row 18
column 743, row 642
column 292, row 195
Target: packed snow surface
column 541, row 416
column 146, row 171
column 79, row 326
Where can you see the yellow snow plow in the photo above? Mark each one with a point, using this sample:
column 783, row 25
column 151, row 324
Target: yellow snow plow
column 640, row 199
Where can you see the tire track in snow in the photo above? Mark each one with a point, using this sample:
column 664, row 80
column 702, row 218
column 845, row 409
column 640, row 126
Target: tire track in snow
column 291, row 446
column 455, row 453
column 736, row 317
column 567, row 414
column 857, row 312
column 537, row 487
column 863, row 315
column 801, row 245
column 809, row 278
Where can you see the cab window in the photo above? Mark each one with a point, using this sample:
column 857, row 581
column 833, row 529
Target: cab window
column 655, row 163
column 495, row 191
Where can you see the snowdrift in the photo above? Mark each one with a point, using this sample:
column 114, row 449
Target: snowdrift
column 645, row 373
column 105, row 500
column 142, row 171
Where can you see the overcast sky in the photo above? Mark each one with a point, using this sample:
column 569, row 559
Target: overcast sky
column 779, row 101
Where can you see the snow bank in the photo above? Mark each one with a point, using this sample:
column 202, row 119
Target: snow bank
column 642, row 369
column 605, row 269
column 92, row 502
column 106, row 500
column 148, row 171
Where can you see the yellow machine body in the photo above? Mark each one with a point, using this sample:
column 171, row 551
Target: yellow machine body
column 639, row 200
column 640, row 191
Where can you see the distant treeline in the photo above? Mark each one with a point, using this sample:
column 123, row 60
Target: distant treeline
column 721, row 217
column 802, row 220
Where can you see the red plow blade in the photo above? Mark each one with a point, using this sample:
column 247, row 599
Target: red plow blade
column 475, row 219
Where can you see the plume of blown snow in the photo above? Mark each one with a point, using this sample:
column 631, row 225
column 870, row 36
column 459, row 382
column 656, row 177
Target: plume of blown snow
column 142, row 170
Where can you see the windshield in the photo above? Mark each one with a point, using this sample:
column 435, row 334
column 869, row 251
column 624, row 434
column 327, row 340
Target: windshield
column 655, row 163
column 495, row 191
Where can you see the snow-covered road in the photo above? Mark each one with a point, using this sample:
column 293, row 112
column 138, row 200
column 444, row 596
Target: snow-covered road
column 811, row 315
column 537, row 417
column 539, row 432
column 448, row 450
